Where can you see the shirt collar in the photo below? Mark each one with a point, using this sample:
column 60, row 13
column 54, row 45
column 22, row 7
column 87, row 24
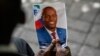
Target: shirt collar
column 50, row 31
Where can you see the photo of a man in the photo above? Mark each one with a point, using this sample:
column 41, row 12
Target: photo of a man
column 49, row 30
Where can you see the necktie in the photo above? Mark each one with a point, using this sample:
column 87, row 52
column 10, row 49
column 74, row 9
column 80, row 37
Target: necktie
column 53, row 34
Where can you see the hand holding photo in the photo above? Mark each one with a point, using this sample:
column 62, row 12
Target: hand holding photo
column 50, row 24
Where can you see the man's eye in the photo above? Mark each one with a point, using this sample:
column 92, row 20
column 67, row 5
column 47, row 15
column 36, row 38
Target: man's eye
column 53, row 15
column 46, row 16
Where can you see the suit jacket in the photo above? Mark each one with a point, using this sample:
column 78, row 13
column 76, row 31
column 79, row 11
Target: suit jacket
column 45, row 39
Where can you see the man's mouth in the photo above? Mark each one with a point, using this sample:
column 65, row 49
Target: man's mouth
column 52, row 22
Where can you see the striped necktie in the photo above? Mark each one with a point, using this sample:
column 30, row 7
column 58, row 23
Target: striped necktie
column 53, row 34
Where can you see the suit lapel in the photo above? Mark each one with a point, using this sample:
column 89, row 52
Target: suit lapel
column 46, row 35
column 60, row 35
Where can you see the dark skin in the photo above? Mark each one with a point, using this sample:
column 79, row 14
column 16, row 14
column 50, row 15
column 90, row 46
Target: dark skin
column 59, row 50
column 49, row 16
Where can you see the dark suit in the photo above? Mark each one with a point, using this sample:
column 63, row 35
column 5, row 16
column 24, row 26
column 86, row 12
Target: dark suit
column 45, row 39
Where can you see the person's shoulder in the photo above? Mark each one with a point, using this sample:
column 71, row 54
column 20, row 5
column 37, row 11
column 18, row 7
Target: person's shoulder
column 18, row 40
column 62, row 29
column 41, row 29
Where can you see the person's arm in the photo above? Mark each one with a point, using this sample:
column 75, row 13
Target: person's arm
column 68, row 51
column 62, row 51
column 46, row 51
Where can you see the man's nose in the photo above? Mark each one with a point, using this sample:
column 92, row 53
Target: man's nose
column 51, row 18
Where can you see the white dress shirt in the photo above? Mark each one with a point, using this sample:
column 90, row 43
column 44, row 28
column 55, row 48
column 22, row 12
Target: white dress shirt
column 56, row 35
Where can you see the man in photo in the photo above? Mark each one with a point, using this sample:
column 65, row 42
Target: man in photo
column 49, row 31
column 52, row 39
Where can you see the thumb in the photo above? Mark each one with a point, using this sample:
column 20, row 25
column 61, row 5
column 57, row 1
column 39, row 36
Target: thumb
column 58, row 42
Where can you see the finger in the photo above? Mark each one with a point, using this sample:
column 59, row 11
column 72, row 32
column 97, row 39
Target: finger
column 54, row 41
column 57, row 41
column 50, row 47
column 40, row 53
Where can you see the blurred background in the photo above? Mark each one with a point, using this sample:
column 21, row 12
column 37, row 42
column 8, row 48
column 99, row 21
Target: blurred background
column 83, row 18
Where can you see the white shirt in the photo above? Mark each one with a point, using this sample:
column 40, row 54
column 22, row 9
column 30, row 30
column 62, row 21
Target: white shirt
column 56, row 35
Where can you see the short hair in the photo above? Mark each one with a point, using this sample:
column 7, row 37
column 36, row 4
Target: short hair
column 10, row 15
column 48, row 7
column 11, row 9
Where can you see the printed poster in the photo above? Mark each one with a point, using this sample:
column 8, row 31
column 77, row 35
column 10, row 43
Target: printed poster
column 50, row 18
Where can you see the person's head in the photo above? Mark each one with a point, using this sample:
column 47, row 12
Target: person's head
column 10, row 15
column 49, row 18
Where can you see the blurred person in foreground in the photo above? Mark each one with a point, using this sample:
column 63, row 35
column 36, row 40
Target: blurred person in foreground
column 10, row 15
column 52, row 40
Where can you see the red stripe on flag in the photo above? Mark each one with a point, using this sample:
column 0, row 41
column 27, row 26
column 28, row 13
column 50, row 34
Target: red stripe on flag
column 38, row 24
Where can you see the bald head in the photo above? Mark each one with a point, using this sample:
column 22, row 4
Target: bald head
column 49, row 17
column 48, row 8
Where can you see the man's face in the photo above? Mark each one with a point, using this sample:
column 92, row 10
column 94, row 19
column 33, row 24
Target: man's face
column 50, row 18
